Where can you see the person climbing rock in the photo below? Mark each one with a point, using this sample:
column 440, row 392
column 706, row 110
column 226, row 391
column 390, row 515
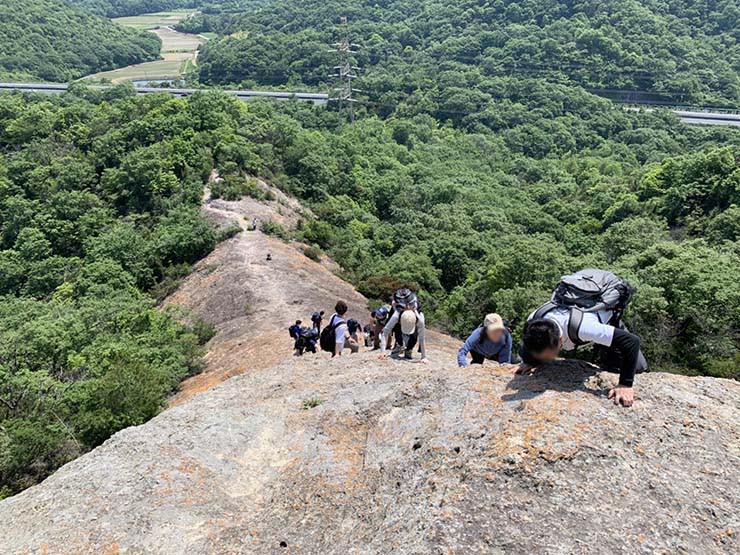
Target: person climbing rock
column 381, row 319
column 490, row 341
column 336, row 336
column 254, row 223
column 586, row 309
column 412, row 325
column 295, row 329
column 269, row 257
column 316, row 319
column 306, row 341
column 402, row 299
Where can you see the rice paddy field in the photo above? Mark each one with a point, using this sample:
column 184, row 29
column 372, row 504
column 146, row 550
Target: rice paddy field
column 179, row 50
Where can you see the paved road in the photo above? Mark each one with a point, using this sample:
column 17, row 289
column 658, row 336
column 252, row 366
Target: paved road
column 315, row 98
column 687, row 116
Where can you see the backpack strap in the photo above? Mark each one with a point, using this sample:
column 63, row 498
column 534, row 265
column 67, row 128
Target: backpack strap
column 544, row 309
column 574, row 326
column 574, row 320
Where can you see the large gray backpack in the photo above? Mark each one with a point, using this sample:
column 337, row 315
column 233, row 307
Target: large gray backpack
column 589, row 290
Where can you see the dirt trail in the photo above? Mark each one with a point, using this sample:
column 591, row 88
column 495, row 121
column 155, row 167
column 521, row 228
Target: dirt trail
column 251, row 300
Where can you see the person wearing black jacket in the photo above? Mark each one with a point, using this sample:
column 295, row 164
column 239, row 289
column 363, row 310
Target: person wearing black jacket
column 545, row 337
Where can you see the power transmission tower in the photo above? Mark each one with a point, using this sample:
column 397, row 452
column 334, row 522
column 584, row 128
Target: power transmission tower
column 345, row 50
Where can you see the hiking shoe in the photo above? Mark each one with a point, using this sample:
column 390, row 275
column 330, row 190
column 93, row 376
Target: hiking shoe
column 397, row 350
column 408, row 355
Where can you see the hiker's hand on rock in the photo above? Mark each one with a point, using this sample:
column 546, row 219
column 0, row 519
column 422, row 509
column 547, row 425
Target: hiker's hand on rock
column 520, row 368
column 383, row 356
column 622, row 395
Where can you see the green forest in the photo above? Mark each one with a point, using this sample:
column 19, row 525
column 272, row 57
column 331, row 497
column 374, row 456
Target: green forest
column 684, row 51
column 479, row 170
column 52, row 41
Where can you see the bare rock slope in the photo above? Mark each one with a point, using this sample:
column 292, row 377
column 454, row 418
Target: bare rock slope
column 268, row 454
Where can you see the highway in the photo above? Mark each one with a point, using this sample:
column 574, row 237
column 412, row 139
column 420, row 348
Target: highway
column 693, row 117
column 315, row 98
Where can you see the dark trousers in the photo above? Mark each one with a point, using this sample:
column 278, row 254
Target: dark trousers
column 378, row 330
column 411, row 342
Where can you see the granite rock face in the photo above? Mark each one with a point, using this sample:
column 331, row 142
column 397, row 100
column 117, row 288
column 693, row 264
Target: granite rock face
column 362, row 456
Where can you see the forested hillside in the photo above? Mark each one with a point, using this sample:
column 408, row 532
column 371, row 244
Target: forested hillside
column 123, row 8
column 99, row 215
column 50, row 40
column 684, row 50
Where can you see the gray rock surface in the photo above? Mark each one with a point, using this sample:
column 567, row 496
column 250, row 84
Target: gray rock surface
column 404, row 458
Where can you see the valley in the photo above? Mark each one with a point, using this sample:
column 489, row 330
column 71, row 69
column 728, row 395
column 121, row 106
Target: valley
column 179, row 51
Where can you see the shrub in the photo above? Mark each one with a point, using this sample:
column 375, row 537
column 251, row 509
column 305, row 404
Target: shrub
column 313, row 253
column 271, row 227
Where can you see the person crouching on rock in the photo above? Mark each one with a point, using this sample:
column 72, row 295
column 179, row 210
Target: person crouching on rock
column 380, row 320
column 413, row 332
column 306, row 341
column 490, row 341
column 586, row 308
column 335, row 337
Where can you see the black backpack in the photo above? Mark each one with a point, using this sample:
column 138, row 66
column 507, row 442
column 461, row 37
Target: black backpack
column 309, row 334
column 589, row 290
column 328, row 335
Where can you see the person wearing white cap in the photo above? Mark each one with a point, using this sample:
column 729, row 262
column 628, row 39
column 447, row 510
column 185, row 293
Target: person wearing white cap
column 490, row 341
column 413, row 330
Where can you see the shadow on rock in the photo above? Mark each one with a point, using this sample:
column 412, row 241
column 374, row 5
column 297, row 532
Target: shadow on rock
column 563, row 375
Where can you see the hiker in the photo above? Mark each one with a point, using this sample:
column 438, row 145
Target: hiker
column 413, row 331
column 369, row 331
column 336, row 336
column 316, row 319
column 269, row 257
column 295, row 329
column 402, row 299
column 586, row 308
column 306, row 341
column 491, row 341
column 382, row 315
column 254, row 223
column 354, row 328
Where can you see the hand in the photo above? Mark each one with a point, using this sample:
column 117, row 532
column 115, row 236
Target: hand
column 383, row 356
column 519, row 368
column 424, row 360
column 622, row 395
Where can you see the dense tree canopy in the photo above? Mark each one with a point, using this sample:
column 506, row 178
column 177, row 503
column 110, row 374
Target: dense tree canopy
column 50, row 40
column 682, row 50
column 99, row 216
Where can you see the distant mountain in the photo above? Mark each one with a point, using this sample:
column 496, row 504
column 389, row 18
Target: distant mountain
column 123, row 8
column 53, row 41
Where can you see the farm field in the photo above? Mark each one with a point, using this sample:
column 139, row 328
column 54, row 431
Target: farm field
column 153, row 20
column 179, row 50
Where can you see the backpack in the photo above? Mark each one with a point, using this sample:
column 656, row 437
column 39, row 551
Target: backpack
column 309, row 334
column 328, row 334
column 292, row 332
column 404, row 298
column 589, row 290
column 316, row 317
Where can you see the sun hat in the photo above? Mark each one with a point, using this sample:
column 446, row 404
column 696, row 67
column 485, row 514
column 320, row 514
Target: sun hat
column 493, row 322
column 408, row 322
